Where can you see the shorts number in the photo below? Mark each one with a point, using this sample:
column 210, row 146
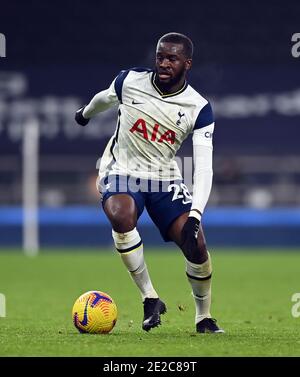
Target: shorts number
column 180, row 192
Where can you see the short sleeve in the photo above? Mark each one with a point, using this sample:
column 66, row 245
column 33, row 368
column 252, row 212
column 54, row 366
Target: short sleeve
column 205, row 117
column 119, row 81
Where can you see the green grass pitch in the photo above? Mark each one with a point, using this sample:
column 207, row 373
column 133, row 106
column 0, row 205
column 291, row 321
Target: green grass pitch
column 252, row 292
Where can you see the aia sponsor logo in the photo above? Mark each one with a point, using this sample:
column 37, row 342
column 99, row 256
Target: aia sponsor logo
column 153, row 133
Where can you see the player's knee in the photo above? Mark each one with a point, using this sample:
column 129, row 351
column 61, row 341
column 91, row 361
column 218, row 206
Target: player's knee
column 121, row 214
column 122, row 223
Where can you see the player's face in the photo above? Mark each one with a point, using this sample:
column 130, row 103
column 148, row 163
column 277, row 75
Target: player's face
column 171, row 63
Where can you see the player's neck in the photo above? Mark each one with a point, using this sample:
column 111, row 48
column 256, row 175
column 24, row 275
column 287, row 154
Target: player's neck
column 170, row 88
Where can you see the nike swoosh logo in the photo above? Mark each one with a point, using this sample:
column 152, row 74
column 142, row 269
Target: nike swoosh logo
column 137, row 103
column 85, row 318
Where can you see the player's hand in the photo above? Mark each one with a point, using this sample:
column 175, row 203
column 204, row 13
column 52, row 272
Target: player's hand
column 80, row 119
column 189, row 233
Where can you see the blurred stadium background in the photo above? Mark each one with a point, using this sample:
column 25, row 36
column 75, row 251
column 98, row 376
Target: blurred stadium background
column 59, row 54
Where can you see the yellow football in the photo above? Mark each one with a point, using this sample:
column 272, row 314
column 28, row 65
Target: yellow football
column 94, row 312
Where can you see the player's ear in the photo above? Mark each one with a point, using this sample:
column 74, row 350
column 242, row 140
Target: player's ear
column 188, row 64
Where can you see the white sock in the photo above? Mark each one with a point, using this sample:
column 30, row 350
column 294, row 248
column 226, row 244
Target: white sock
column 130, row 247
column 199, row 276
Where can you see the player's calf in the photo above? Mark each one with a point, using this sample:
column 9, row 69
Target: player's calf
column 130, row 247
column 199, row 276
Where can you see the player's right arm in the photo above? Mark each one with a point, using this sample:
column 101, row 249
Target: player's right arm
column 100, row 102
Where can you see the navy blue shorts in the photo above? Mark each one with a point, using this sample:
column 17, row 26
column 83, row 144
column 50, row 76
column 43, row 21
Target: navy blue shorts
column 164, row 200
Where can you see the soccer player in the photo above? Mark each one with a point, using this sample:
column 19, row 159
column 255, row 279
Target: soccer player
column 157, row 111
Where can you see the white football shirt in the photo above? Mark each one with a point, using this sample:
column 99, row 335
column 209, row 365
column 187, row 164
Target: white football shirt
column 151, row 125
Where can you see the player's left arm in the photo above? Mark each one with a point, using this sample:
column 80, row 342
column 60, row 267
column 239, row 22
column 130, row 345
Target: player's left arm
column 203, row 173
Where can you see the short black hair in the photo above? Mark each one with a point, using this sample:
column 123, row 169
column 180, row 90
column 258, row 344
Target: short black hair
column 178, row 38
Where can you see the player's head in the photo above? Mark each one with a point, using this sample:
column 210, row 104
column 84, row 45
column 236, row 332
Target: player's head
column 174, row 54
